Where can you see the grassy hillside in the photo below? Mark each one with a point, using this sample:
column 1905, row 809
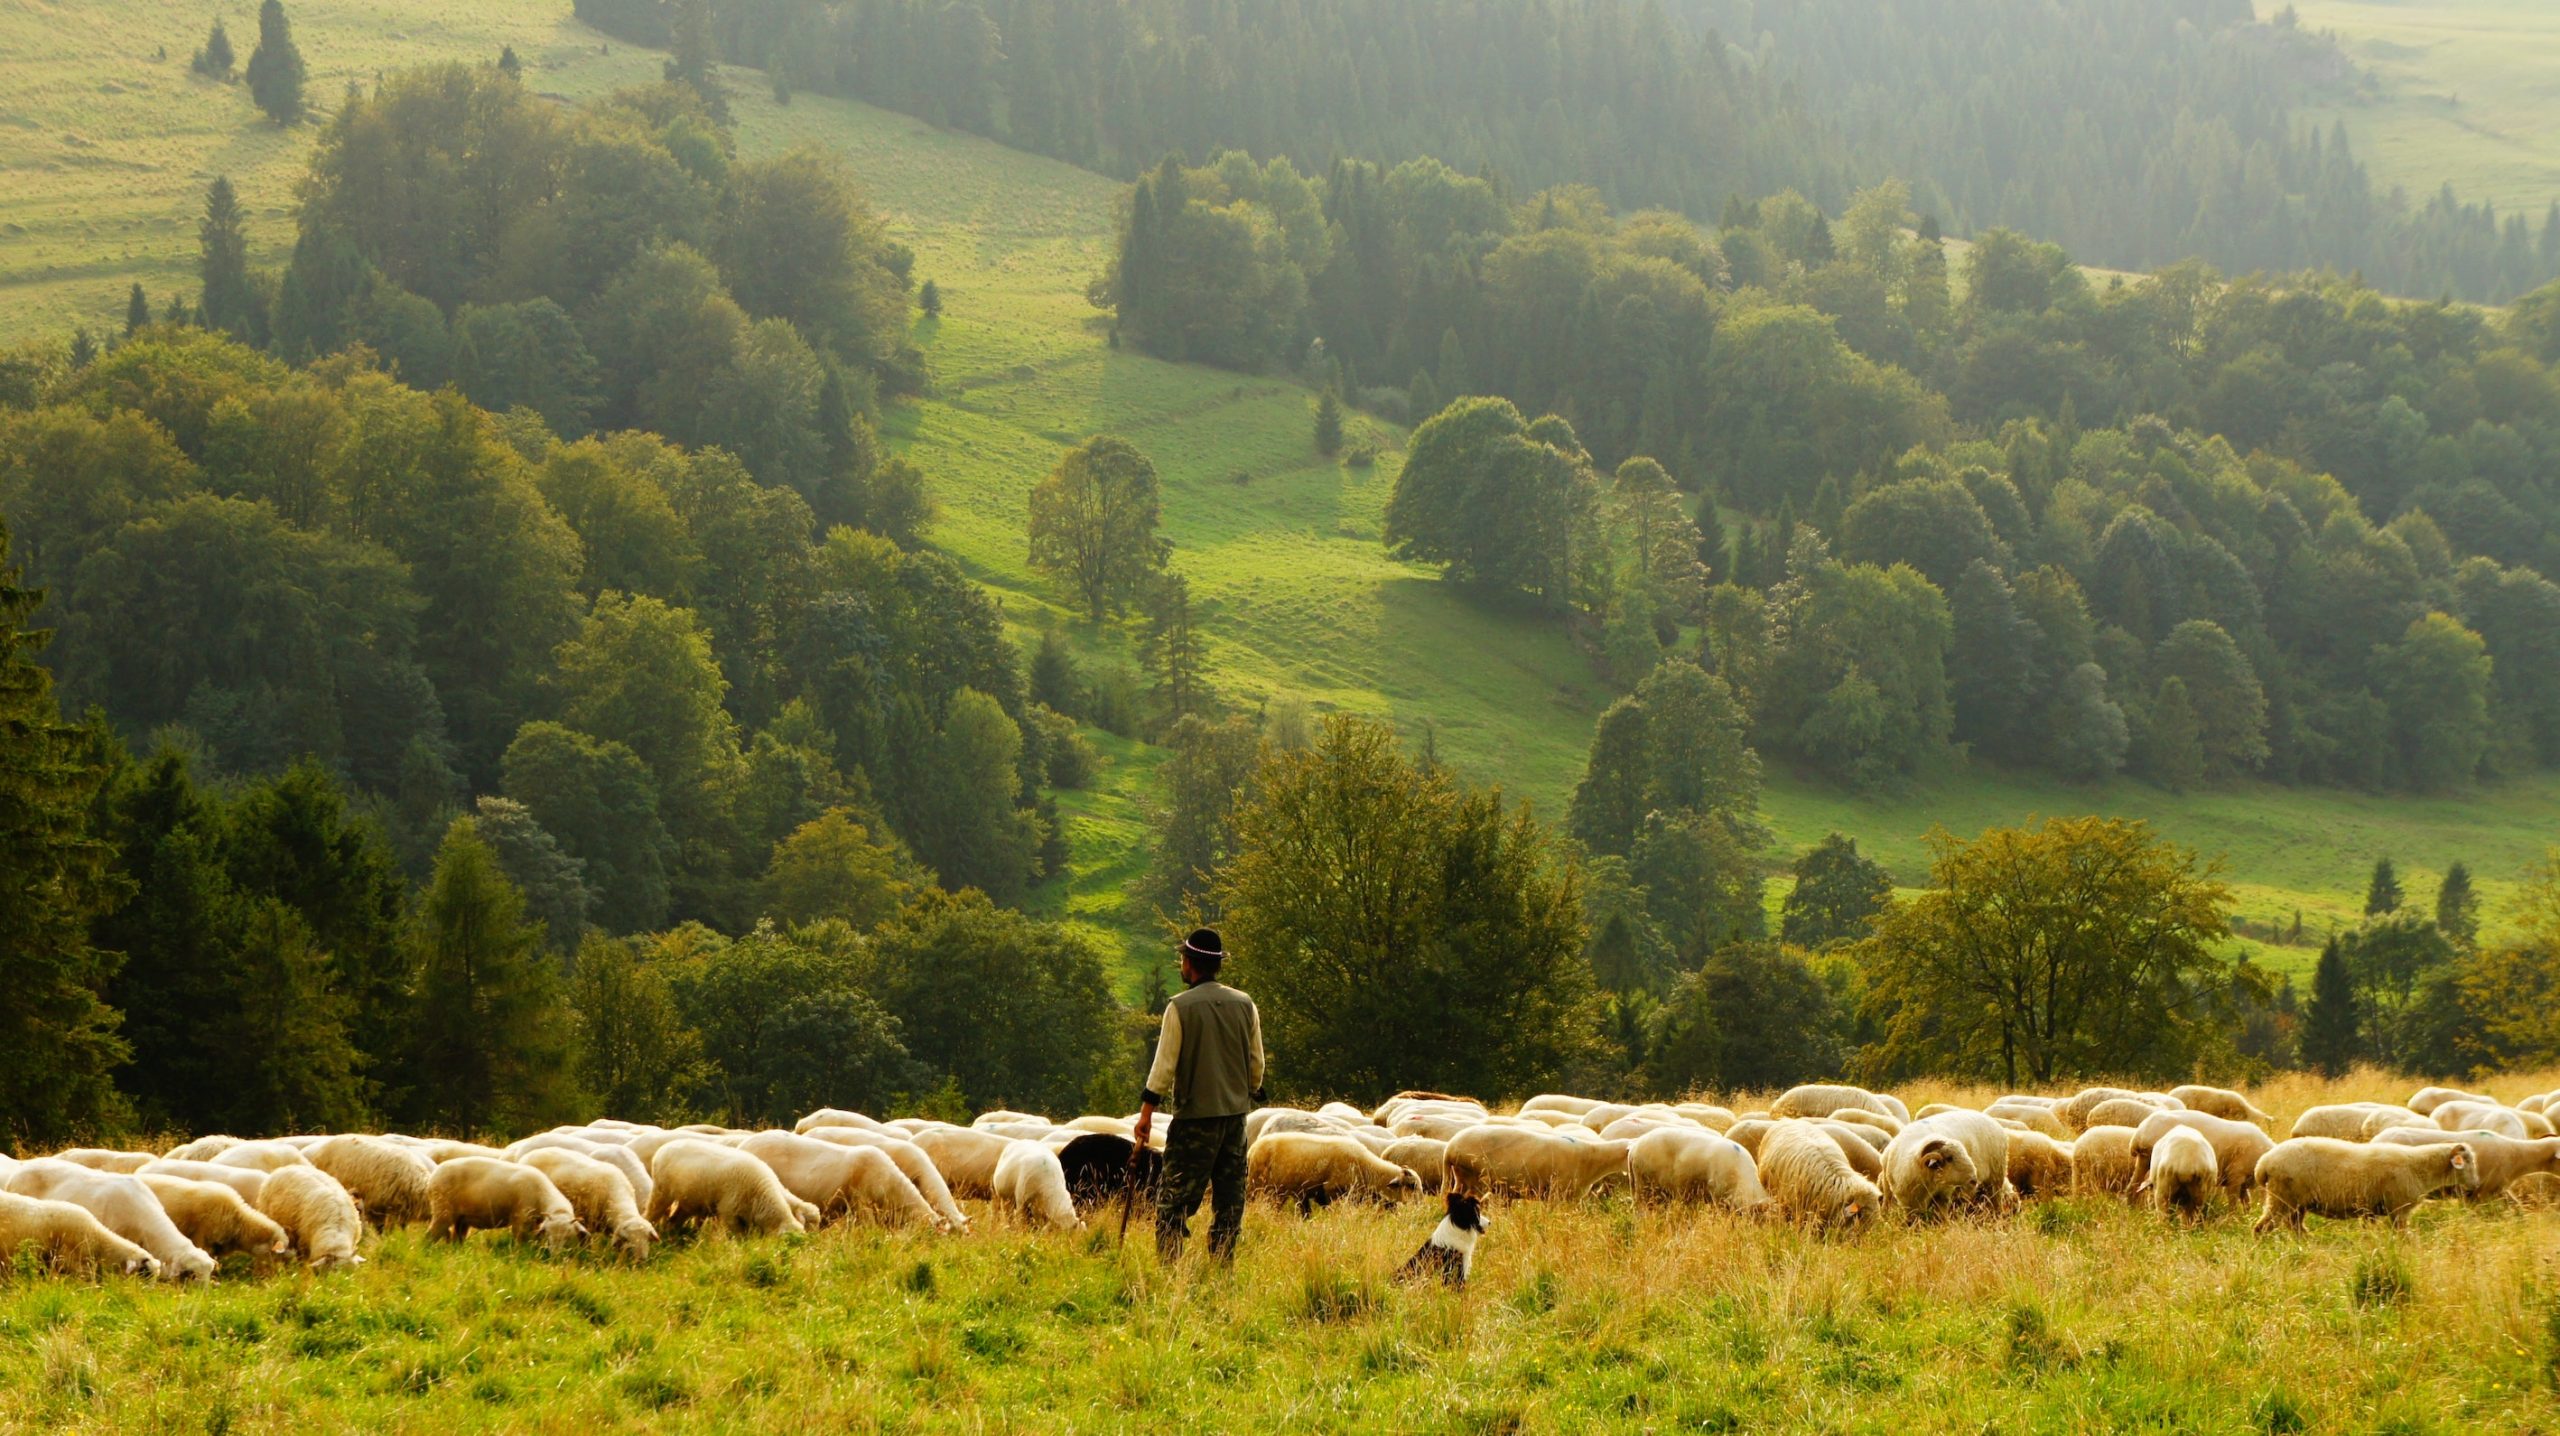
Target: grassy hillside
column 2077, row 1315
column 1295, row 592
column 2467, row 95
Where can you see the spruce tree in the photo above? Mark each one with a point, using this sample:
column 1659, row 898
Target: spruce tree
column 1455, row 382
column 508, row 64
column 215, row 60
column 1712, row 551
column 491, row 1029
column 1421, row 397
column 58, row 1039
column 84, row 348
column 2382, row 894
column 229, row 304
column 690, row 38
column 276, row 71
column 2329, row 1026
column 1328, row 424
column 929, row 299
column 2458, row 906
column 137, row 309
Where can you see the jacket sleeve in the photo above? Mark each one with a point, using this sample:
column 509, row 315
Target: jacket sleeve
column 1169, row 1055
column 1254, row 1057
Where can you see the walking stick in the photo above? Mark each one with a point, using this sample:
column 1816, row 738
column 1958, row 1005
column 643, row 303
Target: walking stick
column 1129, row 1193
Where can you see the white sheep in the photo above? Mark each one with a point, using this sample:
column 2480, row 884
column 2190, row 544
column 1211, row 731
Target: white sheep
column 2343, row 1120
column 1425, row 1157
column 1706, row 1114
column 2040, row 1167
column 2124, row 1112
column 2503, row 1160
column 215, row 1218
column 2075, row 1109
column 912, row 1161
column 2237, row 1145
column 471, row 1194
column 2345, row 1179
column 838, row 1117
column 1030, row 1180
column 1315, row 1168
column 2184, row 1172
column 387, row 1180
column 101, row 1159
column 1003, row 1116
column 1693, row 1165
column 964, row 1156
column 249, row 1184
column 1863, row 1146
column 1521, row 1161
column 2102, row 1161
column 2426, row 1100
column 2468, row 1116
column 600, row 1194
column 202, row 1149
column 1811, row 1182
column 123, row 1205
column 71, row 1238
column 617, row 1155
column 1956, row 1159
column 1822, row 1099
column 1559, row 1102
column 259, row 1156
column 842, row 1180
column 701, row 1181
column 441, row 1150
column 2220, row 1102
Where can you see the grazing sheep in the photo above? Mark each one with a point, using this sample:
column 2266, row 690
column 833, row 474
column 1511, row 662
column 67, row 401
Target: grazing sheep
column 1441, row 1126
column 1345, row 1112
column 2040, row 1166
column 318, row 1214
column 1425, row 1157
column 2534, row 1103
column 1524, row 1162
column 1865, row 1157
column 1811, row 1182
column 2034, row 1116
column 2538, row 1125
column 259, row 1156
column 70, row 1237
column 1636, row 1124
column 1823, row 1099
column 842, row 1180
column 2102, row 1161
column 2535, row 1191
column 202, row 1149
column 2237, row 1145
column 2184, row 1172
column 1861, row 1117
column 2075, row 1110
column 215, row 1218
column 1003, row 1116
column 2503, row 1160
column 123, row 1205
column 441, row 1150
column 837, row 1117
column 1025, row 1131
column 2384, row 1119
column 1121, row 1127
column 1261, row 1122
column 2426, row 1100
column 1030, row 1180
column 600, row 1195
column 389, row 1180
column 701, row 1181
column 965, row 1157
column 1749, row 1133
column 1958, row 1159
column 917, row 1167
column 100, row 1159
column 2344, row 1179
column 1706, row 1114
column 1606, row 1113
column 618, row 1156
column 1687, row 1164
column 1316, row 1168
column 1097, row 1169
column 2343, row 1120
column 471, row 1194
column 2122, row 1112
column 1558, row 1102
column 2463, row 1116
column 250, row 1185
column 2220, row 1102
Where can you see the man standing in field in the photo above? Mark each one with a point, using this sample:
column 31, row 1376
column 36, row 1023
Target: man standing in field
column 1208, row 1072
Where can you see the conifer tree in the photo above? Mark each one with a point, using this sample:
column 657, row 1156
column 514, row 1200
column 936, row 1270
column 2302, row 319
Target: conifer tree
column 137, row 309
column 84, row 348
column 229, row 304
column 2329, row 1026
column 1328, row 424
column 1713, row 551
column 58, row 1039
column 276, row 72
column 491, row 1026
column 2458, row 905
column 929, row 299
column 2382, row 894
column 2173, row 748
column 1421, row 397
column 215, row 60
column 508, row 64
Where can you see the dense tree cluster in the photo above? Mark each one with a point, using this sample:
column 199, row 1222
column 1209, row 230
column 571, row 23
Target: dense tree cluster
column 2185, row 136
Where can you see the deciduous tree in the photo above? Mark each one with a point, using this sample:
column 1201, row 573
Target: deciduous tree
column 1093, row 523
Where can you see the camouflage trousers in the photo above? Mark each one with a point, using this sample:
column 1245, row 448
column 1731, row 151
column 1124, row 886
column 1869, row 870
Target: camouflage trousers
column 1201, row 1154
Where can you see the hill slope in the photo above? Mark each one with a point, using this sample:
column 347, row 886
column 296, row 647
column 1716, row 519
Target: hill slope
column 2465, row 95
column 1295, row 593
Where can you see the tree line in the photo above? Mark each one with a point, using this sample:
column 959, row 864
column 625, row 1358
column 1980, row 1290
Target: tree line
column 2136, row 132
column 2194, row 528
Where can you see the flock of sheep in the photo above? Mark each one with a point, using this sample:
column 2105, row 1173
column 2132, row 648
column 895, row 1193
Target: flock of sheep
column 1823, row 1156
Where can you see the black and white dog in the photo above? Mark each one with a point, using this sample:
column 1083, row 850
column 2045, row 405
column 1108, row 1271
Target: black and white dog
column 1451, row 1252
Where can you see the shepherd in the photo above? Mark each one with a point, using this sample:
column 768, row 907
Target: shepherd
column 1208, row 1074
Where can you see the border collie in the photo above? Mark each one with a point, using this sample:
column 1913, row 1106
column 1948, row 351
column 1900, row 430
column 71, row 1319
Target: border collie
column 1451, row 1252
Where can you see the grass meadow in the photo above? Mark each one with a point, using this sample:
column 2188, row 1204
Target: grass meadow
column 2466, row 98
column 105, row 152
column 2081, row 1314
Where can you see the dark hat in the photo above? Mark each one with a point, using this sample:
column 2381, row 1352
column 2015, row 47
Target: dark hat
column 1204, row 948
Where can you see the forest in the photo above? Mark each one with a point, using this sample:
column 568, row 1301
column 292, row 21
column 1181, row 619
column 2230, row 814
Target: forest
column 2182, row 140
